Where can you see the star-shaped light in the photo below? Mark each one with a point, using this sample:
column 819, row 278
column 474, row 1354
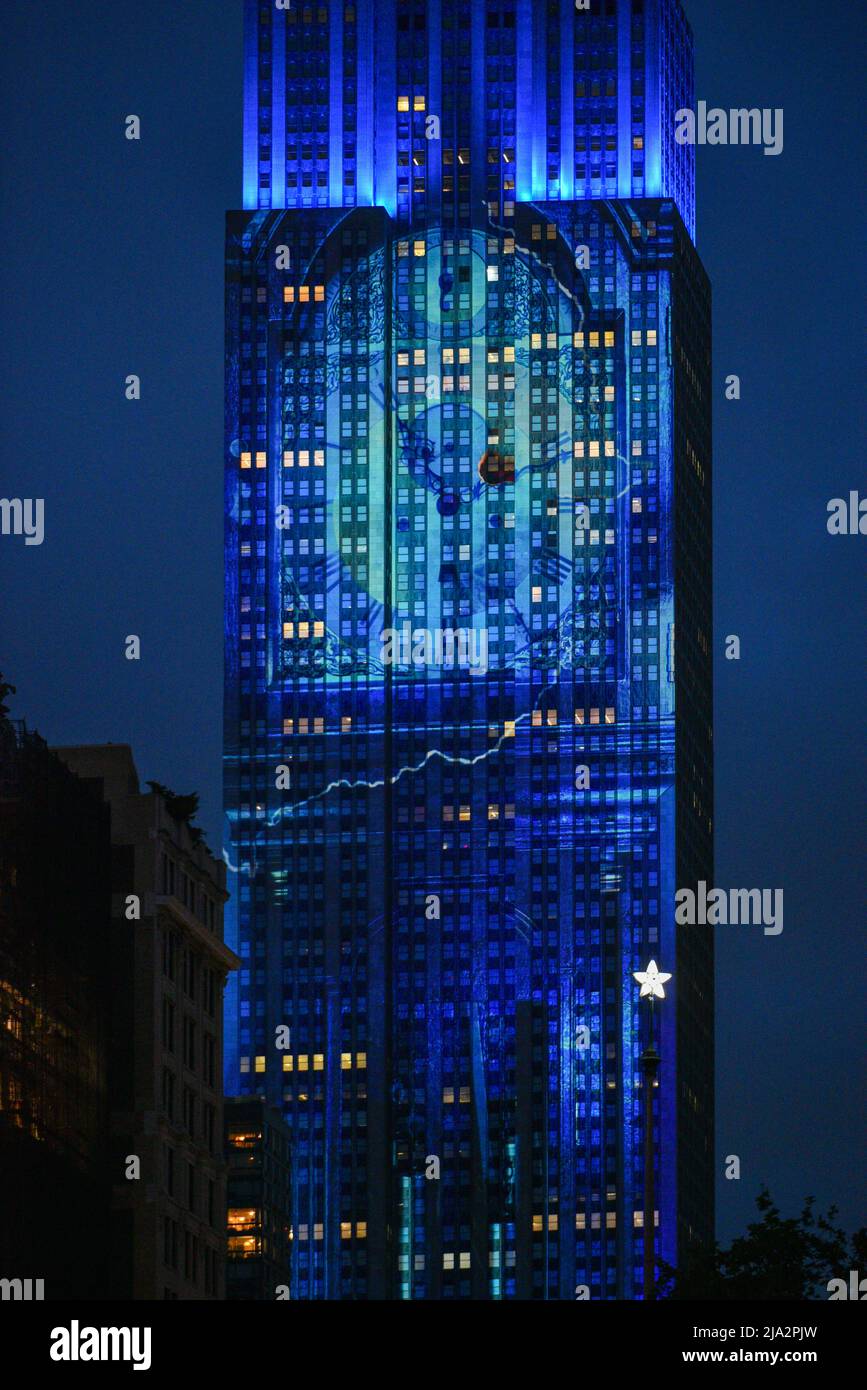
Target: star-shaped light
column 651, row 981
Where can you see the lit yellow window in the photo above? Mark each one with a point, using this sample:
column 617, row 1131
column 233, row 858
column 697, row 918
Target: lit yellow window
column 319, row 629
column 287, row 1062
column 609, row 339
column 535, row 340
column 448, row 1095
column 288, row 725
column 403, row 103
column 537, row 1223
column 594, row 339
column 260, row 459
column 552, row 716
column 418, row 103
column 609, row 448
column 418, row 356
column 651, row 337
column 536, row 594
column 537, row 719
column 246, row 459
column 610, row 716
column 594, row 716
column 304, row 294
column 636, row 337
column 303, row 1062
column 465, row 1259
column 465, row 813
column 346, row 1230
column 509, row 729
column 553, row 1223
column 493, row 812
column 508, row 354
column 288, row 458
column 319, row 293
column 345, row 723
column 345, row 1061
column 418, row 248
column 361, row 1060
column 636, row 504
column 260, row 1064
column 319, row 458
column 361, row 1230
column 578, row 340
column 288, row 294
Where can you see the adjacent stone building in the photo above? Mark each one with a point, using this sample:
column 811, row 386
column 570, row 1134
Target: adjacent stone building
column 168, row 969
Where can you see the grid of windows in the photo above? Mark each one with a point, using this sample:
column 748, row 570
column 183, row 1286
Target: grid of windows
column 457, row 424
column 428, row 110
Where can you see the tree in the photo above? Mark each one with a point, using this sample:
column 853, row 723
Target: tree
column 181, row 808
column 778, row 1258
column 5, row 690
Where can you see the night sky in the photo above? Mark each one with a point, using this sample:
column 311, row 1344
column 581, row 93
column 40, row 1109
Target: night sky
column 112, row 263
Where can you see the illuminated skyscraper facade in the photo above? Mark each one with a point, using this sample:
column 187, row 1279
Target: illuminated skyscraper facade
column 468, row 503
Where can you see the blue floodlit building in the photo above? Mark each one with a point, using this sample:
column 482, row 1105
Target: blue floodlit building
column 468, row 504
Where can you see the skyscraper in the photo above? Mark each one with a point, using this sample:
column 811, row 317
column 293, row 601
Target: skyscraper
column 468, row 503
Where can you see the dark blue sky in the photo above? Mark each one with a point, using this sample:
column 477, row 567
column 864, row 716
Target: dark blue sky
column 112, row 263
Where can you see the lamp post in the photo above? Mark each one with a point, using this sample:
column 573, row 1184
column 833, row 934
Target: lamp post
column 651, row 981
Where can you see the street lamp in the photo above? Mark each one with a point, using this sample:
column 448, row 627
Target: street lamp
column 651, row 981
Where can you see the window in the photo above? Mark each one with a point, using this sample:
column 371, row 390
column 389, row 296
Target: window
column 169, row 1093
column 170, row 1243
column 189, row 1110
column 189, row 1043
column 168, row 1025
